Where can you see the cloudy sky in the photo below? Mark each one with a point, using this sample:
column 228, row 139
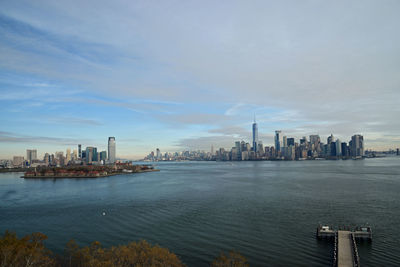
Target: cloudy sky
column 189, row 74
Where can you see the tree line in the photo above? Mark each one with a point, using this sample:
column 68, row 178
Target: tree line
column 30, row 251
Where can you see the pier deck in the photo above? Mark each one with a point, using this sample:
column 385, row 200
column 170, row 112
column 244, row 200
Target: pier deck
column 345, row 251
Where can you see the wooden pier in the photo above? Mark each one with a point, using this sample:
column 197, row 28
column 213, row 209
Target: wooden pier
column 345, row 252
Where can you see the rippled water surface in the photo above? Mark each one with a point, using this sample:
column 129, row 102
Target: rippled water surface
column 268, row 211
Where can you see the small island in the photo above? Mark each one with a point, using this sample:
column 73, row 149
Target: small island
column 86, row 171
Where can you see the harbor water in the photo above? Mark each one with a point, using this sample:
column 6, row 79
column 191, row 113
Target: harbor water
column 266, row 210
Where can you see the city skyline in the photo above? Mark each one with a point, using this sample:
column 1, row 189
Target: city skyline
column 184, row 77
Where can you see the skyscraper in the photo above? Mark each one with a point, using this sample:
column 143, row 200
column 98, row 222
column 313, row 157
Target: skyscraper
column 111, row 149
column 290, row 142
column 80, row 151
column 277, row 142
column 68, row 155
column 31, row 154
column 357, row 146
column 255, row 135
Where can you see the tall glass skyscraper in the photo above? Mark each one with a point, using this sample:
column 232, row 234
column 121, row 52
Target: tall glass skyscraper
column 255, row 136
column 277, row 142
column 111, row 149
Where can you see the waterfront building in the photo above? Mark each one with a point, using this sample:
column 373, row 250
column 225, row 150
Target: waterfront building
column 260, row 149
column 315, row 139
column 18, row 161
column 158, row 154
column 238, row 154
column 75, row 155
column 68, row 155
column 103, row 155
column 357, row 146
column 31, row 154
column 111, row 150
column 332, row 149
column 345, row 150
column 47, row 159
column 330, row 139
column 284, row 143
column 255, row 136
column 397, row 152
column 80, row 151
column 91, row 154
column 338, row 148
column 277, row 142
column 290, row 142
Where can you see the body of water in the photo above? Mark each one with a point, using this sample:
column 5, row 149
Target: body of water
column 268, row 211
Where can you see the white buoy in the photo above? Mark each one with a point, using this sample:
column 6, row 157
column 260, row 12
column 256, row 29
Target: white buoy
column 104, row 213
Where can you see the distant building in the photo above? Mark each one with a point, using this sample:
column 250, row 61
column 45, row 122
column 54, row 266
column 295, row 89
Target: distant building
column 284, row 143
column 238, row 151
column 111, row 150
column 255, row 136
column 18, row 161
column 397, row 152
column 357, row 146
column 103, row 155
column 290, row 142
column 338, row 148
column 31, row 154
column 277, row 142
column 68, row 155
column 345, row 150
column 80, row 151
column 91, row 154
column 330, row 139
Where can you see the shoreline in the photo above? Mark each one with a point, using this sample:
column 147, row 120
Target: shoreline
column 85, row 177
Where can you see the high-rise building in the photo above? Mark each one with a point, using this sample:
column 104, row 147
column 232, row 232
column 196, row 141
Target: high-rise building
column 91, row 154
column 47, row 159
column 345, row 150
column 111, row 150
column 80, row 151
column 398, row 152
column 330, row 139
column 357, row 146
column 338, row 148
column 158, row 154
column 103, row 155
column 277, row 142
column 31, row 154
column 75, row 155
column 315, row 139
column 255, row 135
column 68, row 155
column 290, row 142
column 284, row 141
column 238, row 150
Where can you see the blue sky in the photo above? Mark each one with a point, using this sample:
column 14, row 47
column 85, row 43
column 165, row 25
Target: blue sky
column 191, row 74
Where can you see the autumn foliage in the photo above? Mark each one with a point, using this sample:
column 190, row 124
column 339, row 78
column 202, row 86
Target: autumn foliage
column 27, row 251
column 233, row 259
column 140, row 254
column 30, row 251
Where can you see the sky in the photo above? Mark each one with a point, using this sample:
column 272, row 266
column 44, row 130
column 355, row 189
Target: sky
column 180, row 75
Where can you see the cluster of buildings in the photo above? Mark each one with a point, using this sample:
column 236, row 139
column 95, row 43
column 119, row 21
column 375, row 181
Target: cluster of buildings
column 285, row 148
column 88, row 156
